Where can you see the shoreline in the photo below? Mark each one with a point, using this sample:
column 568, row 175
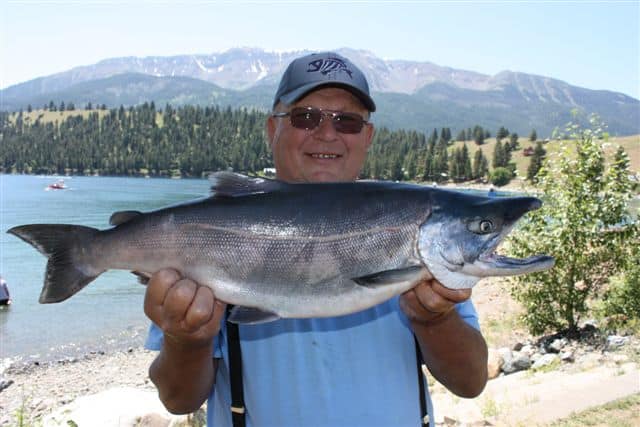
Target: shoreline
column 35, row 390
column 123, row 341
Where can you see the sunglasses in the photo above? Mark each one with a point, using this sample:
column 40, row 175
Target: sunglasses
column 309, row 118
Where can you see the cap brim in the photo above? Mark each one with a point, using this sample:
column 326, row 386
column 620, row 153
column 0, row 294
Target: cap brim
column 300, row 92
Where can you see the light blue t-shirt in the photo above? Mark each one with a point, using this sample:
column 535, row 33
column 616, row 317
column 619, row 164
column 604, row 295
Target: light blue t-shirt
column 354, row 370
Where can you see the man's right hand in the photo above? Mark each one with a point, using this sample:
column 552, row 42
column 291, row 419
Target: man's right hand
column 188, row 313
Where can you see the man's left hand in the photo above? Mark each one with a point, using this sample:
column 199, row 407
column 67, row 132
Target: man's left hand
column 430, row 301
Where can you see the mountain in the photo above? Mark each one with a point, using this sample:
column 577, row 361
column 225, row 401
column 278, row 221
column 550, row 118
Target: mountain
column 409, row 94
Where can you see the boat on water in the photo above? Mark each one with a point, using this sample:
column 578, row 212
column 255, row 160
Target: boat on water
column 58, row 185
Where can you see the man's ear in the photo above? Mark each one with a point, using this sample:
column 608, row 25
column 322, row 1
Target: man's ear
column 370, row 131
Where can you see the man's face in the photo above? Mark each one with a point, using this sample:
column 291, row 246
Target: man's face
column 321, row 154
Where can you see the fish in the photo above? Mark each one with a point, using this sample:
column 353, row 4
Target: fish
column 286, row 250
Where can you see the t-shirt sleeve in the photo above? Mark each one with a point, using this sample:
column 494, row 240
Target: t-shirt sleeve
column 155, row 338
column 467, row 311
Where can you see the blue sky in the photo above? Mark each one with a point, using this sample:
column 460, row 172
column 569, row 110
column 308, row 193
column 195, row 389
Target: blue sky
column 585, row 43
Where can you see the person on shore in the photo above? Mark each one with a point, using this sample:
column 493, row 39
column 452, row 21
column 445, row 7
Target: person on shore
column 5, row 297
column 353, row 370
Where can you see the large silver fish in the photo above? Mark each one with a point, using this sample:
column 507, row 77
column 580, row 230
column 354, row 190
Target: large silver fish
column 296, row 250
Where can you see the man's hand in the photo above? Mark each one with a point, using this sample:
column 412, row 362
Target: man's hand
column 430, row 301
column 187, row 313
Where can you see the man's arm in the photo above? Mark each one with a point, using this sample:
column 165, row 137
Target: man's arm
column 454, row 351
column 189, row 316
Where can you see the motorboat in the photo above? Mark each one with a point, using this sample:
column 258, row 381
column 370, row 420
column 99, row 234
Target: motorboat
column 58, row 185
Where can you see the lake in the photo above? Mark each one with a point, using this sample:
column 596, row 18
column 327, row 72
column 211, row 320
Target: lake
column 108, row 313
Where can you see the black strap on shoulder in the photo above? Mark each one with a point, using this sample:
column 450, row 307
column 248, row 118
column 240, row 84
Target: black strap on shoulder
column 235, row 373
column 424, row 419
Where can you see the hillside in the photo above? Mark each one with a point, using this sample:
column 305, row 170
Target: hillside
column 631, row 145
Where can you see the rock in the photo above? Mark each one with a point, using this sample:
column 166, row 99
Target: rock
column 119, row 406
column 494, row 364
column 567, row 356
column 518, row 346
column 616, row 341
column 545, row 360
column 521, row 361
column 5, row 383
column 535, row 357
column 557, row 345
column 507, row 360
column 528, row 349
column 517, row 362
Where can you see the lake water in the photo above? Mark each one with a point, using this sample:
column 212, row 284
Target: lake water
column 108, row 313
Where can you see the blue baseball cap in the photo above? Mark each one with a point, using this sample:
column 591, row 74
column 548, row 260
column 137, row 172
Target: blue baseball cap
column 326, row 69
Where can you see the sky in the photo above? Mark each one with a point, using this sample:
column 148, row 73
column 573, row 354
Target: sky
column 592, row 44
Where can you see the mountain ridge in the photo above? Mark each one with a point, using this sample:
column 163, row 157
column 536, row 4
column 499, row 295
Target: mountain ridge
column 247, row 77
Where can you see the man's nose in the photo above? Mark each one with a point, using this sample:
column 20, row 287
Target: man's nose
column 325, row 129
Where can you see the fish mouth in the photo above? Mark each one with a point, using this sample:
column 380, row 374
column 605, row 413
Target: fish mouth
column 493, row 264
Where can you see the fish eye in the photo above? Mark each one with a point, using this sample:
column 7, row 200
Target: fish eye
column 482, row 226
column 486, row 226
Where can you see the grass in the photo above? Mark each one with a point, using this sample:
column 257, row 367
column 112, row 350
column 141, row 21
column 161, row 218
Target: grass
column 623, row 412
column 631, row 145
column 490, row 408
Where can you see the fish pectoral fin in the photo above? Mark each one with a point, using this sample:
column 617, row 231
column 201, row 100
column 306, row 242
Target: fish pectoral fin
column 392, row 277
column 121, row 217
column 250, row 316
column 143, row 277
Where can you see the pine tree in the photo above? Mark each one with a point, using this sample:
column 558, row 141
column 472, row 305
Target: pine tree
column 533, row 136
column 480, row 165
column 478, row 135
column 536, row 161
column 499, row 156
column 502, row 133
column 513, row 138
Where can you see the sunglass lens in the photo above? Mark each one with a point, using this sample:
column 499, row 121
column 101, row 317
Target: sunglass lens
column 347, row 123
column 305, row 118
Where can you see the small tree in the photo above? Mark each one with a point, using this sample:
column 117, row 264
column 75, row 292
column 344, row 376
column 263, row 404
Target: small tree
column 501, row 176
column 533, row 136
column 536, row 161
column 480, row 165
column 575, row 224
column 502, row 133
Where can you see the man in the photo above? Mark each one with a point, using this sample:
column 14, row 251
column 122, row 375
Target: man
column 352, row 370
column 5, row 297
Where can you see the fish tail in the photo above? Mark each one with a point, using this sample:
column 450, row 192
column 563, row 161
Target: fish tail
column 60, row 243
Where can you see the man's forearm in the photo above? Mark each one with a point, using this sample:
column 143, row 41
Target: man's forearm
column 454, row 352
column 183, row 376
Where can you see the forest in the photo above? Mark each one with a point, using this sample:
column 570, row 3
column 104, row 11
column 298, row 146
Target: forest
column 192, row 141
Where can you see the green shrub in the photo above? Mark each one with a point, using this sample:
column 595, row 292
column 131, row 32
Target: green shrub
column 501, row 176
column 579, row 224
column 621, row 302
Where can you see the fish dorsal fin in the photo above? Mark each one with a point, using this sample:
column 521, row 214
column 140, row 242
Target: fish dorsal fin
column 121, row 217
column 231, row 184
